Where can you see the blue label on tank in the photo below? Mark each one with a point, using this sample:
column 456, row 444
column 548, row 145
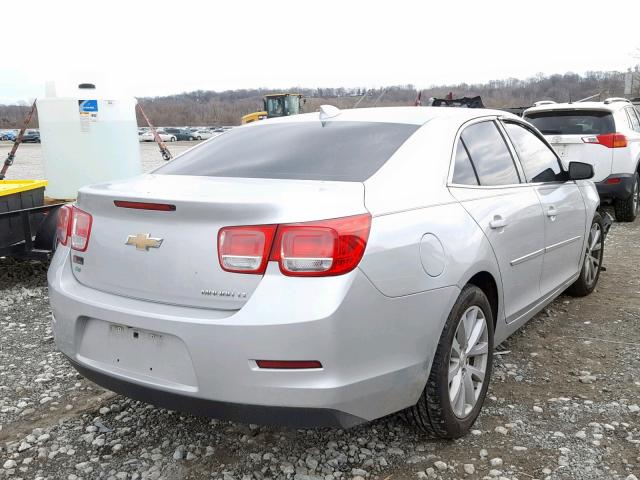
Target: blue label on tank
column 88, row 105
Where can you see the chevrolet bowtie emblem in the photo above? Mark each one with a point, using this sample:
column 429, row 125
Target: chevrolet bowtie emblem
column 142, row 241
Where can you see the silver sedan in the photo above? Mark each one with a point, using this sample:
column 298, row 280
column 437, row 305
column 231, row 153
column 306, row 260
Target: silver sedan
column 327, row 268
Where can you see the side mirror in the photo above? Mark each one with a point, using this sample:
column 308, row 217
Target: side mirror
column 580, row 171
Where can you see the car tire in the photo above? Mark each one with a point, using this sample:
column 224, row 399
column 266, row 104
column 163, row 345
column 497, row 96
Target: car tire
column 627, row 210
column 592, row 262
column 173, row 139
column 435, row 413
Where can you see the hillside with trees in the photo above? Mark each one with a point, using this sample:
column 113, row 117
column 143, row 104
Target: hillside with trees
column 225, row 108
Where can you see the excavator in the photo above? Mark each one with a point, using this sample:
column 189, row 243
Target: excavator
column 276, row 105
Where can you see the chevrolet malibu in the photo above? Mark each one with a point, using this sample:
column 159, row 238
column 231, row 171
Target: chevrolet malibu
column 327, row 268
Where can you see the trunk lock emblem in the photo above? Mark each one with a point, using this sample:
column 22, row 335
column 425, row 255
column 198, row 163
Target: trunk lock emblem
column 142, row 241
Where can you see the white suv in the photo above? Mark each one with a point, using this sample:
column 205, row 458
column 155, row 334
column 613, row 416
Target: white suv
column 604, row 134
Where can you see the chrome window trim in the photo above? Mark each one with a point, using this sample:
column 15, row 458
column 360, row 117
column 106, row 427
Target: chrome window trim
column 527, row 126
column 488, row 118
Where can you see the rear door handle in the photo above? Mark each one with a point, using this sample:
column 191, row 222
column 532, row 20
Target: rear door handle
column 552, row 213
column 498, row 222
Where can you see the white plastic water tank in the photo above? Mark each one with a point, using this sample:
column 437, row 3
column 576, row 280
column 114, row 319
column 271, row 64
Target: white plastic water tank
column 87, row 137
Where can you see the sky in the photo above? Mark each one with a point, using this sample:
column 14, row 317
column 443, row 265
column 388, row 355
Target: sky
column 152, row 48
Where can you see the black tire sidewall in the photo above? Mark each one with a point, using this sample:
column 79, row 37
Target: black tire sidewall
column 470, row 296
column 624, row 208
column 596, row 219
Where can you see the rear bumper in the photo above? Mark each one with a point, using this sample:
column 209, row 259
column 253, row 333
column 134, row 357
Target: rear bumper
column 258, row 414
column 375, row 351
column 616, row 191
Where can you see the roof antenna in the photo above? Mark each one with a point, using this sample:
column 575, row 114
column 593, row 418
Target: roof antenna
column 328, row 111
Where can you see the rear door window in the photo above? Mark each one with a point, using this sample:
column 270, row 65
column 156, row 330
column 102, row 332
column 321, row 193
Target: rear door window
column 572, row 122
column 490, row 154
column 634, row 120
column 540, row 164
column 463, row 171
column 340, row 151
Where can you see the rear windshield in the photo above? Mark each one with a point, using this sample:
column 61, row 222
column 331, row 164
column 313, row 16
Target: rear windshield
column 341, row 151
column 572, row 122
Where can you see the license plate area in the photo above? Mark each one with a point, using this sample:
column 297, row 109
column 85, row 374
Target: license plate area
column 561, row 150
column 146, row 354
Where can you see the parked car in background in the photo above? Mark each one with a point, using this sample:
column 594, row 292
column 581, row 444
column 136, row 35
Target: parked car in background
column 322, row 285
column 604, row 134
column 180, row 133
column 31, row 136
column 149, row 137
column 7, row 135
column 202, row 134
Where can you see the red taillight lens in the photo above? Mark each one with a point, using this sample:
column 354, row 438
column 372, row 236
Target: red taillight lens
column 245, row 249
column 612, row 140
column 288, row 364
column 80, row 229
column 323, row 248
column 312, row 249
column 63, row 224
column 614, row 180
column 307, row 249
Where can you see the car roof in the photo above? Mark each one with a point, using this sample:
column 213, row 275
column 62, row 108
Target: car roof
column 408, row 115
column 609, row 107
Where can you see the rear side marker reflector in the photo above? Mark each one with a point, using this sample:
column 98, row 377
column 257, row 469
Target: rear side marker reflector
column 289, row 364
column 613, row 181
column 162, row 207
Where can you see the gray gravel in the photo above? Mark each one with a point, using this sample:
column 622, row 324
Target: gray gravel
column 564, row 403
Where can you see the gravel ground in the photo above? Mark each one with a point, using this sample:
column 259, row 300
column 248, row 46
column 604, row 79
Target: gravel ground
column 564, row 403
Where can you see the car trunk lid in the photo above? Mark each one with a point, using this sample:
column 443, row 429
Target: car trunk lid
column 170, row 256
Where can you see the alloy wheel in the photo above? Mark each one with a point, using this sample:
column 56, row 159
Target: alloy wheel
column 468, row 361
column 636, row 196
column 593, row 255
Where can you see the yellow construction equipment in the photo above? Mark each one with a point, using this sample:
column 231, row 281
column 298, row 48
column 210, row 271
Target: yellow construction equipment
column 276, row 105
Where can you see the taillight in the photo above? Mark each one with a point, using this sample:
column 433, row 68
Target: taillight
column 609, row 140
column 63, row 224
column 245, row 249
column 323, row 248
column 311, row 249
column 80, row 229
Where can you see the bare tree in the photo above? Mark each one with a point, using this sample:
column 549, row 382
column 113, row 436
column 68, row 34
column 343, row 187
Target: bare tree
column 208, row 108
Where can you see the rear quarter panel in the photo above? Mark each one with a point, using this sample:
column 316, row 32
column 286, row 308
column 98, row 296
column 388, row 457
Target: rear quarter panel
column 394, row 258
